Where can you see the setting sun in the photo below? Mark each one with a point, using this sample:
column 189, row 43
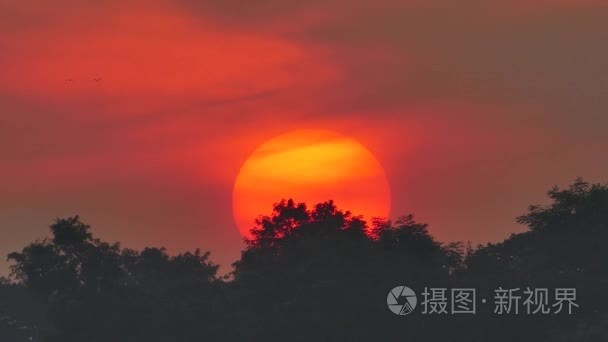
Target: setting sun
column 310, row 166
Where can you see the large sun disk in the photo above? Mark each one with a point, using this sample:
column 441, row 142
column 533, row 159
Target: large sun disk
column 310, row 166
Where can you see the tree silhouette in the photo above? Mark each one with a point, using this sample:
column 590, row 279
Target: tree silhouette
column 564, row 247
column 317, row 273
column 21, row 317
column 97, row 292
column 323, row 267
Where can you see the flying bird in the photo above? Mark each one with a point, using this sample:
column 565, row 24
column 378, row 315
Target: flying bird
column 97, row 79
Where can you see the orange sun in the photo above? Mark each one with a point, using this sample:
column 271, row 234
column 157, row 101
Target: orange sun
column 310, row 166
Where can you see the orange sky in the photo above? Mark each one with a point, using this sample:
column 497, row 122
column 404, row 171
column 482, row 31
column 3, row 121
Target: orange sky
column 474, row 109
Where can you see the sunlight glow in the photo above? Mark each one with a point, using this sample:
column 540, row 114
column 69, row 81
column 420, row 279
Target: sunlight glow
column 310, row 166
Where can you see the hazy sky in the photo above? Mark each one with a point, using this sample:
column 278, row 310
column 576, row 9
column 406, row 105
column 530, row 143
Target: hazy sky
column 474, row 108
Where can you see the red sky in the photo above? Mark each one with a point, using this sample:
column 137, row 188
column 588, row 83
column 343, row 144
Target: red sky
column 474, row 108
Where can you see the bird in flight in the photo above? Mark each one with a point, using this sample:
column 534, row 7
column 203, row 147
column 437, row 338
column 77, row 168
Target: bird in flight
column 97, row 79
column 68, row 80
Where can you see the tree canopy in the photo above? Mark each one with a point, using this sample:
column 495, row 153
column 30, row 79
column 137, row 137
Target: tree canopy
column 318, row 273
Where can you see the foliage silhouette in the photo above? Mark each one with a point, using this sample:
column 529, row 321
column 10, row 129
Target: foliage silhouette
column 21, row 317
column 317, row 274
column 564, row 247
column 97, row 292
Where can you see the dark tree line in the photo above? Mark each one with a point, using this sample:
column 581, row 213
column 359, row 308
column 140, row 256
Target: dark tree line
column 316, row 273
